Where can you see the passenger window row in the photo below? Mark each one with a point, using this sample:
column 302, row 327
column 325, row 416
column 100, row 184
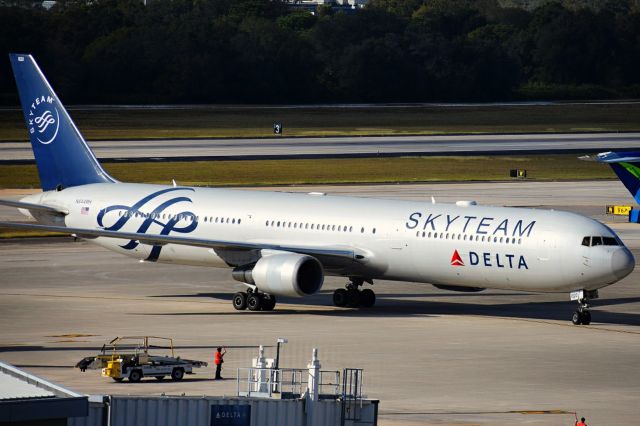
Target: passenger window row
column 465, row 237
column 313, row 226
column 181, row 216
column 599, row 241
column 210, row 219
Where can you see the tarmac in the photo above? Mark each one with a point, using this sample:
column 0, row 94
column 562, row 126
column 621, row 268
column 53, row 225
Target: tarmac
column 432, row 357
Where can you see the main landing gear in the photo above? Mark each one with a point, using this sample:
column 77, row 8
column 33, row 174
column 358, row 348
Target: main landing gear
column 582, row 315
column 352, row 297
column 254, row 301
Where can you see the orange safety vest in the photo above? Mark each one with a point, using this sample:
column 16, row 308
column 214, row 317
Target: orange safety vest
column 580, row 424
column 217, row 360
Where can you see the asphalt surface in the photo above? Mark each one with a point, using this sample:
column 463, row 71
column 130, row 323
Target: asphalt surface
column 431, row 356
column 273, row 148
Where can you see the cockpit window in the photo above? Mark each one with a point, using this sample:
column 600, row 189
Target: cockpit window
column 599, row 241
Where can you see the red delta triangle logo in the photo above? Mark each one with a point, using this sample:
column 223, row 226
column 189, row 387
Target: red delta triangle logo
column 456, row 260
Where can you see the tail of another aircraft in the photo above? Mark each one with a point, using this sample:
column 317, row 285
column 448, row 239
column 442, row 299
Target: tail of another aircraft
column 63, row 157
column 627, row 166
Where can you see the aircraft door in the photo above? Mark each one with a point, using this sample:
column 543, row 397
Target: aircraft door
column 547, row 246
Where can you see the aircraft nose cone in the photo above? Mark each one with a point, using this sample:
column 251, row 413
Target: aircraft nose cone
column 622, row 262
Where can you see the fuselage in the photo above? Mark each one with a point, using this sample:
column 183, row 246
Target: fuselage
column 443, row 244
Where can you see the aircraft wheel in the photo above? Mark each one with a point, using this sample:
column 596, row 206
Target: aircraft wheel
column 353, row 298
column 576, row 319
column 254, row 302
column 240, row 301
column 340, row 297
column 367, row 298
column 586, row 317
column 268, row 303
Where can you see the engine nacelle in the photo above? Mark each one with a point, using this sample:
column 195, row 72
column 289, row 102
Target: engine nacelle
column 289, row 274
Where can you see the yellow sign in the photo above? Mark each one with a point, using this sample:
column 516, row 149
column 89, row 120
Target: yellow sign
column 619, row 210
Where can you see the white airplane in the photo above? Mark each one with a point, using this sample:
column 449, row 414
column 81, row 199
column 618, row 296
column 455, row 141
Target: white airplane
column 283, row 244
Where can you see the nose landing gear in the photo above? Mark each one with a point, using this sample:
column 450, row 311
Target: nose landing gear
column 582, row 315
column 352, row 297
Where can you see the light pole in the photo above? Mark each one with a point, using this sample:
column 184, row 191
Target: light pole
column 283, row 341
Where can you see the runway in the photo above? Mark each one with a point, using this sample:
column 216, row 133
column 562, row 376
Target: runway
column 432, row 357
column 305, row 147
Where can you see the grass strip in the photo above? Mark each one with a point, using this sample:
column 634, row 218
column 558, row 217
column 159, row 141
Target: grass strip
column 334, row 171
column 239, row 121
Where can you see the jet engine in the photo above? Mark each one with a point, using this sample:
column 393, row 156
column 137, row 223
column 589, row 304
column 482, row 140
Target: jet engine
column 287, row 274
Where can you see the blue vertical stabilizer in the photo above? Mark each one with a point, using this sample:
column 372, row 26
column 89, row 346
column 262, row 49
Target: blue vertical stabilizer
column 63, row 157
column 627, row 166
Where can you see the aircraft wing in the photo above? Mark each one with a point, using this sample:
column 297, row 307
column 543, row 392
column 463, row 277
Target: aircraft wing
column 35, row 207
column 159, row 240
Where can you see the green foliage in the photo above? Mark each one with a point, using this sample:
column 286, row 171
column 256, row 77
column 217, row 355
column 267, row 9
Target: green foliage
column 259, row 51
column 297, row 21
column 565, row 92
column 397, row 7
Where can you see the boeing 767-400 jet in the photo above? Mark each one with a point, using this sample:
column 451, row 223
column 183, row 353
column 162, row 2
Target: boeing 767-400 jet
column 283, row 244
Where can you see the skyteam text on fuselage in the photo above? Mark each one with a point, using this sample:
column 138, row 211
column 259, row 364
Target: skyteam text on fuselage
column 284, row 244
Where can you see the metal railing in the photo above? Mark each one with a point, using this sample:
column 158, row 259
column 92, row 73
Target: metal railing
column 285, row 383
column 351, row 394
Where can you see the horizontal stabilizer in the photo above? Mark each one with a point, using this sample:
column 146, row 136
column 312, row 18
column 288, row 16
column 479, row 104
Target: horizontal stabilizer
column 34, row 207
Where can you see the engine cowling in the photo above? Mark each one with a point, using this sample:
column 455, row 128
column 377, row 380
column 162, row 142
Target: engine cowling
column 290, row 274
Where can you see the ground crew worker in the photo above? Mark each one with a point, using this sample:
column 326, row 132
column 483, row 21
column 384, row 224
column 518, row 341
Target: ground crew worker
column 582, row 422
column 218, row 359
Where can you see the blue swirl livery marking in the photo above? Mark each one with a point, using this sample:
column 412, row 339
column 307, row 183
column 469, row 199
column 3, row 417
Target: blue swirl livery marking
column 152, row 217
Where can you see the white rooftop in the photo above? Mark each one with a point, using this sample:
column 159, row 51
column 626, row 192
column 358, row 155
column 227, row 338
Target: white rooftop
column 18, row 384
column 14, row 388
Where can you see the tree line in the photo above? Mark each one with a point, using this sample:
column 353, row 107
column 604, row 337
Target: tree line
column 262, row 51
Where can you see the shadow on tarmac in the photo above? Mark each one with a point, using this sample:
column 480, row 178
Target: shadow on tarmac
column 389, row 305
column 147, row 381
column 228, row 296
column 37, row 348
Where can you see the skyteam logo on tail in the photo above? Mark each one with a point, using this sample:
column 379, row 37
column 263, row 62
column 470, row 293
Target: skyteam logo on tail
column 44, row 119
